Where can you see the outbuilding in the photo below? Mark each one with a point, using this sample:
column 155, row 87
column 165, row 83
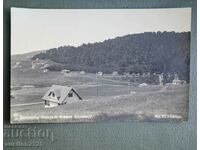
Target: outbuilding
column 45, row 70
column 65, row 71
column 115, row 73
column 99, row 73
column 176, row 80
column 82, row 72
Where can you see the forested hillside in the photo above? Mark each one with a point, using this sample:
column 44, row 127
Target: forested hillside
column 154, row 52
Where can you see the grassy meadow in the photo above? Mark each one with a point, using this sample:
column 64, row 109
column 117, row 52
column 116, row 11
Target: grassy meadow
column 105, row 98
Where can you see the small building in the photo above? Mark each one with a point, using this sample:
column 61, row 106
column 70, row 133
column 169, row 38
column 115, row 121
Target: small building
column 184, row 82
column 100, row 73
column 143, row 84
column 176, row 80
column 161, row 79
column 59, row 95
column 17, row 65
column 115, row 73
column 45, row 70
column 65, row 71
column 33, row 66
column 82, row 72
column 45, row 66
column 127, row 74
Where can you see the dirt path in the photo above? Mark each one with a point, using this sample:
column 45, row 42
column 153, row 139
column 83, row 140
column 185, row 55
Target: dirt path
column 26, row 104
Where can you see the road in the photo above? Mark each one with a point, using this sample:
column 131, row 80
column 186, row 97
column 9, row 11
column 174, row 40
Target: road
column 26, row 104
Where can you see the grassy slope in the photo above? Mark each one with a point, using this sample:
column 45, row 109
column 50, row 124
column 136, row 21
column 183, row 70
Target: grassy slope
column 168, row 100
column 144, row 104
column 26, row 56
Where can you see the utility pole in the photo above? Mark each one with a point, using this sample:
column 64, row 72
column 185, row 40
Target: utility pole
column 129, row 88
column 97, row 82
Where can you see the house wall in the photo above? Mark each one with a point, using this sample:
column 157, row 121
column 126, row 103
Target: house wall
column 53, row 104
column 50, row 104
column 68, row 99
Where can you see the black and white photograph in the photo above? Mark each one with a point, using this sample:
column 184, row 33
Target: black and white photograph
column 99, row 65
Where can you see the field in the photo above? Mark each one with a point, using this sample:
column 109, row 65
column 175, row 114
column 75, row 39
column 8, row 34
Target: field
column 105, row 98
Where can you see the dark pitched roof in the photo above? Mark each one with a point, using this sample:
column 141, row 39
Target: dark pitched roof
column 60, row 91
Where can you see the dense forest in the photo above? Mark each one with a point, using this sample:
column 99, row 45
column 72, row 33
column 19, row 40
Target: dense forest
column 153, row 52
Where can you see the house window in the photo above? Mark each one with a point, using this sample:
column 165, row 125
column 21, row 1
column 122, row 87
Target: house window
column 51, row 94
column 70, row 95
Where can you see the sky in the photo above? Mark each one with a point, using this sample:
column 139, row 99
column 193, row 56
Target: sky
column 42, row 29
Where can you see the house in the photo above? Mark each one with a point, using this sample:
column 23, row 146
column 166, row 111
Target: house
column 33, row 66
column 65, row 71
column 17, row 65
column 127, row 74
column 82, row 72
column 115, row 73
column 59, row 95
column 100, row 73
column 176, row 80
column 143, row 84
column 45, row 66
column 161, row 78
column 45, row 70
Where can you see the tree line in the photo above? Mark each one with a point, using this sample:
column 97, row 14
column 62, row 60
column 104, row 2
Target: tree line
column 152, row 52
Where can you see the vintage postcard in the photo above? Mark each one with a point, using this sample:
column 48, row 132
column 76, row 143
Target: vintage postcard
column 91, row 65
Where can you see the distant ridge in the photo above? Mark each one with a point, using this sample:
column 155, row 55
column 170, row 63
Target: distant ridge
column 26, row 56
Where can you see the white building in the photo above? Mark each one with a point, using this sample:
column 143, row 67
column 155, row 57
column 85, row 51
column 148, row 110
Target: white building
column 115, row 73
column 82, row 72
column 45, row 70
column 176, row 80
column 65, row 71
column 100, row 73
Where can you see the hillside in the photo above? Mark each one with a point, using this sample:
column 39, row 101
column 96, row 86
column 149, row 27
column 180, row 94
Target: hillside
column 162, row 104
column 154, row 52
column 26, row 56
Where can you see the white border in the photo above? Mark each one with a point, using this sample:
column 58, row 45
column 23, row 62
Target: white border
column 1, row 76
